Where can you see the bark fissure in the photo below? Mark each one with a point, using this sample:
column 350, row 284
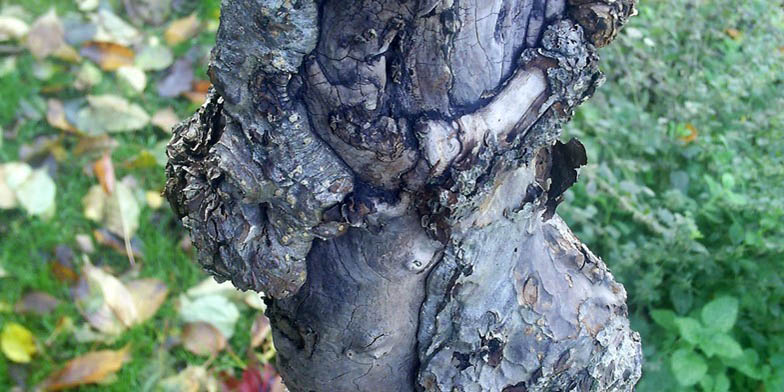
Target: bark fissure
column 387, row 173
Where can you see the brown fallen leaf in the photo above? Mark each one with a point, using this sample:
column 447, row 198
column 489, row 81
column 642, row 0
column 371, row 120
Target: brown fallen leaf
column 182, row 29
column 36, row 302
column 91, row 368
column 107, row 238
column 202, row 338
column 104, row 171
column 259, row 330
column 733, row 33
column 109, row 56
column 177, row 80
column 148, row 295
column 191, row 379
column 94, row 144
column 55, row 115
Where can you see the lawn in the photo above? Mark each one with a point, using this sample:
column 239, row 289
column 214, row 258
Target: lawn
column 683, row 196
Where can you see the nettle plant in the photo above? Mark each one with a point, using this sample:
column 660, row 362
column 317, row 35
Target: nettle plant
column 704, row 349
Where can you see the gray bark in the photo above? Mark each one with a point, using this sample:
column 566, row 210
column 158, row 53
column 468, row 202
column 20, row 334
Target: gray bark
column 387, row 173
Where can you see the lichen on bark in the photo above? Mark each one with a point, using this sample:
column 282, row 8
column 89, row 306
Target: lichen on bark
column 387, row 174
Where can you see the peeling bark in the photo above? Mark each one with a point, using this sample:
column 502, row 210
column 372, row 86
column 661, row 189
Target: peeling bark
column 387, row 174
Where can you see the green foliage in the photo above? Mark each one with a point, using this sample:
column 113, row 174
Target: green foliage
column 684, row 196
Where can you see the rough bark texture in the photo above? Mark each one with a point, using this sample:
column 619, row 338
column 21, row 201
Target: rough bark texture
column 387, row 173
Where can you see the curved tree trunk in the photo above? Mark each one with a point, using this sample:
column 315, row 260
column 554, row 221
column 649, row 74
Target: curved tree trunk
column 387, row 173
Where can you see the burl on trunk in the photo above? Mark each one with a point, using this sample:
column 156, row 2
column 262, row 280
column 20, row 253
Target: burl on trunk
column 387, row 174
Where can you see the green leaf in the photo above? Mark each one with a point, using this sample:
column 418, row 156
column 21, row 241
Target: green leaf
column 720, row 314
column 665, row 318
column 746, row 364
column 721, row 383
column 690, row 329
column 688, row 367
column 720, row 344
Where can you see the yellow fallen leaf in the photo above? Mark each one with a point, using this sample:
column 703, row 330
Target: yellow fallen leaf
column 148, row 295
column 104, row 171
column 91, row 368
column 17, row 343
column 692, row 136
column 181, row 29
column 733, row 33
column 108, row 55
column 154, row 199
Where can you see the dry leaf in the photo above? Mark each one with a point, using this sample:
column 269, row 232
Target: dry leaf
column 148, row 295
column 55, row 115
column 213, row 309
column 259, row 330
column 110, row 113
column 17, row 343
column 733, row 33
column 85, row 243
column 191, row 379
column 93, row 144
column 88, row 76
column 692, row 136
column 202, row 338
column 108, row 55
column 36, row 302
column 154, row 57
column 154, row 199
column 94, row 203
column 165, row 119
column 181, row 29
column 111, row 28
column 104, row 171
column 107, row 238
column 90, row 368
column 34, row 190
column 178, row 79
column 12, row 28
column 133, row 77
column 46, row 35
column 115, row 294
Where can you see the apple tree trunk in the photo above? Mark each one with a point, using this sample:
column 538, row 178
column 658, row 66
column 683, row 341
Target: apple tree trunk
column 386, row 173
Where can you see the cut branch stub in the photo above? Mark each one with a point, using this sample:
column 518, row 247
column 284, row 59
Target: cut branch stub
column 387, row 174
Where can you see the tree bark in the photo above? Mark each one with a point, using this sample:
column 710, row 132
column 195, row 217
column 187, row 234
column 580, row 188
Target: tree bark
column 387, row 173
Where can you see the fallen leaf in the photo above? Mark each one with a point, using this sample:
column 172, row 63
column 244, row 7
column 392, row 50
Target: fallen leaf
column 178, row 79
column 154, row 57
column 107, row 238
column 88, row 76
column 154, row 199
column 94, row 203
column 133, row 77
column 17, row 343
column 202, row 338
column 115, row 294
column 104, row 171
column 46, row 35
column 12, row 28
column 213, row 309
column 95, row 144
column 34, row 190
column 110, row 113
column 165, row 119
column 122, row 212
column 195, row 96
column 85, row 334
column 112, row 28
column 91, row 368
column 87, row 5
column 692, row 136
column 181, row 29
column 108, row 55
column 55, row 115
column 733, row 33
column 191, row 379
column 259, row 330
column 144, row 160
column 255, row 380
column 37, row 194
column 67, row 53
column 148, row 295
column 36, row 302
column 85, row 243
